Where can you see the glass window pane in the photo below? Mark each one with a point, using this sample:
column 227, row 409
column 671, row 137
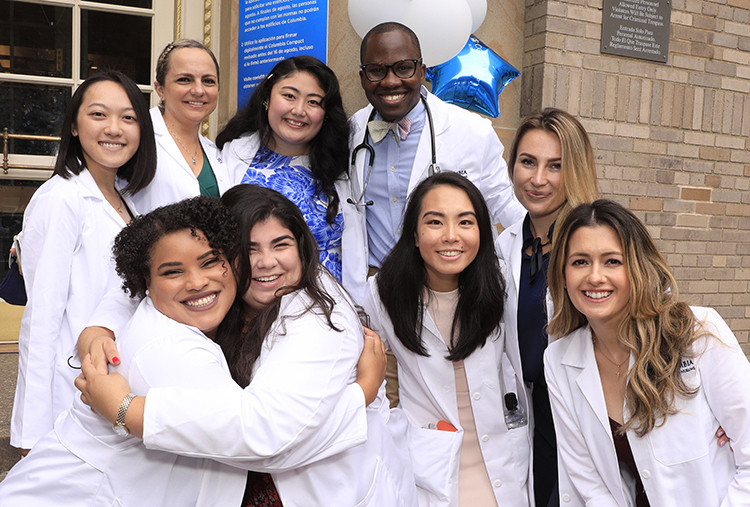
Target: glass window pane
column 146, row 4
column 107, row 44
column 35, row 39
column 33, row 109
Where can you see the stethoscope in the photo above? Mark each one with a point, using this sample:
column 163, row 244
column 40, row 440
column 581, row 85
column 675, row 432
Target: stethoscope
column 432, row 168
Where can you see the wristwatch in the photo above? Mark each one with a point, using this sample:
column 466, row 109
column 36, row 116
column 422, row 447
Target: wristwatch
column 119, row 427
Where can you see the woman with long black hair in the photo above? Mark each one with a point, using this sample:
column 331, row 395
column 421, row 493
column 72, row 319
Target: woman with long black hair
column 438, row 302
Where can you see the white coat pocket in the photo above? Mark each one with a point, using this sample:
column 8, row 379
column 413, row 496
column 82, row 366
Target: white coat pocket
column 678, row 441
column 434, row 455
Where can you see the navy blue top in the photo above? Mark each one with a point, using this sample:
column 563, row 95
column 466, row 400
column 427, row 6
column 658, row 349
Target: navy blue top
column 532, row 312
column 532, row 341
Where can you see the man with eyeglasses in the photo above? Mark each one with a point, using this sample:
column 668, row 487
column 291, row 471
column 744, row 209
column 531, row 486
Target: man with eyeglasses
column 395, row 128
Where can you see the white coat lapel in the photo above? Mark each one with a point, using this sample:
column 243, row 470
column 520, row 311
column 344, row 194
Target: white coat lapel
column 423, row 156
column 432, row 330
column 92, row 191
column 435, row 370
column 516, row 244
column 581, row 363
column 219, row 169
column 580, row 356
column 165, row 141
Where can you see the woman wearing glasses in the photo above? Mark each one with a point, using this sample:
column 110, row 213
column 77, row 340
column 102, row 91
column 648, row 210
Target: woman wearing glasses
column 293, row 137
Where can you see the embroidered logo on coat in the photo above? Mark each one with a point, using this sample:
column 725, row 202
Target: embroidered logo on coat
column 686, row 366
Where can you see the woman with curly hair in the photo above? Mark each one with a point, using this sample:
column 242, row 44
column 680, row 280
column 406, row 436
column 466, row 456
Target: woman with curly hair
column 175, row 259
column 639, row 380
column 293, row 137
column 300, row 411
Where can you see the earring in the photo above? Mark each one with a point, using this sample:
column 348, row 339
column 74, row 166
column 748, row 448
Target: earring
column 265, row 105
column 147, row 293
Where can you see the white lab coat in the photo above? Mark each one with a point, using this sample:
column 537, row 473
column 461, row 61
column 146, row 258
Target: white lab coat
column 238, row 154
column 508, row 249
column 465, row 143
column 427, row 394
column 84, row 463
column 302, row 419
column 67, row 265
column 679, row 462
column 174, row 179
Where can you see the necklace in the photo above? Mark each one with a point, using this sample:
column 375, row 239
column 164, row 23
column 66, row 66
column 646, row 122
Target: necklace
column 606, row 356
column 119, row 206
column 179, row 141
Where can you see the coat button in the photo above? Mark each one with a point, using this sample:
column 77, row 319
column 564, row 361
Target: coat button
column 497, row 483
column 646, row 474
column 565, row 498
column 477, row 396
column 485, row 438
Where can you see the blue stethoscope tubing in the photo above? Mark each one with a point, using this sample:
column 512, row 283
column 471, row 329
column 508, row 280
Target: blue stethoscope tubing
column 365, row 145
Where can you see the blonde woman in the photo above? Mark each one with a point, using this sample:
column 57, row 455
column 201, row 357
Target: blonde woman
column 639, row 380
column 551, row 166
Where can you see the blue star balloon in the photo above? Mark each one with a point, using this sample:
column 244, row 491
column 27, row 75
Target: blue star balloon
column 473, row 79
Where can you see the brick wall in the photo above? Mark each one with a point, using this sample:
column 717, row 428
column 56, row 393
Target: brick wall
column 672, row 141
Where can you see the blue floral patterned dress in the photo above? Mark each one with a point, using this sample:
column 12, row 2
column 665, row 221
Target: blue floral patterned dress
column 292, row 177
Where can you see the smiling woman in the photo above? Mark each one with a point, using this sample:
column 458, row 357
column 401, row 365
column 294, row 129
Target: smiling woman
column 551, row 164
column 106, row 154
column 293, row 137
column 187, row 82
column 438, row 302
column 175, row 257
column 189, row 281
column 639, row 380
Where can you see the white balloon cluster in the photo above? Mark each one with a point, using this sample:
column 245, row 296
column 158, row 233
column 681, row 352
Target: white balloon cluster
column 443, row 26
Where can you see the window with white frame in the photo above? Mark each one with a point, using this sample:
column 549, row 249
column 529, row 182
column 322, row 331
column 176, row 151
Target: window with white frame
column 47, row 48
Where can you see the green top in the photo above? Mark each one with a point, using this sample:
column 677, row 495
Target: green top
column 207, row 179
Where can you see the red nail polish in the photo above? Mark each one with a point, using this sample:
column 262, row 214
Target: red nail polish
column 115, row 360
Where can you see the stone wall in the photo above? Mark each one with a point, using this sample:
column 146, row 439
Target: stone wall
column 672, row 141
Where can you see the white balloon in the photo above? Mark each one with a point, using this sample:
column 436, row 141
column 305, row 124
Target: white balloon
column 478, row 12
column 443, row 27
column 365, row 14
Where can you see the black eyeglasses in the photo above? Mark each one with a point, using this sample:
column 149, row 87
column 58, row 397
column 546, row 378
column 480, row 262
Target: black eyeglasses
column 403, row 69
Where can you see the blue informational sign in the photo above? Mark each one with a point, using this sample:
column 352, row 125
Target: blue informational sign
column 271, row 30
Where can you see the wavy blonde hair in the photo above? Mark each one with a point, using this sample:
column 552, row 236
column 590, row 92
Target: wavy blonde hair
column 579, row 181
column 658, row 329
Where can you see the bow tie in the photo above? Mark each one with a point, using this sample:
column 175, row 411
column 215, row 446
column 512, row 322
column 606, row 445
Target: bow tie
column 379, row 129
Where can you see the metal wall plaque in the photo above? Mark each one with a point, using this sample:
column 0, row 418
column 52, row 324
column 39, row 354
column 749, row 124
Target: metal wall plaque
column 636, row 28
